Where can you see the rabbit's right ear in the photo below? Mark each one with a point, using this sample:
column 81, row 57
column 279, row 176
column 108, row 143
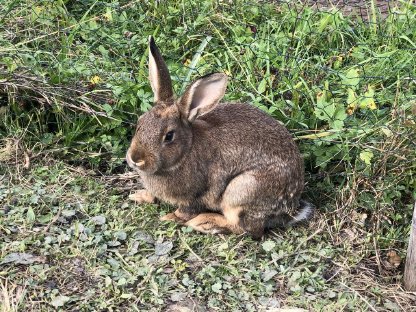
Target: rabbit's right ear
column 202, row 96
column 159, row 74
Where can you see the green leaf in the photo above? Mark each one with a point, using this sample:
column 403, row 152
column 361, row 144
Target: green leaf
column 296, row 275
column 34, row 199
column 351, row 78
column 366, row 156
column 337, row 121
column 22, row 258
column 68, row 213
column 45, row 218
column 331, row 294
column 30, row 215
column 330, row 110
column 107, row 281
column 351, row 101
column 262, row 86
column 268, row 245
column 120, row 235
column 323, row 110
column 114, row 263
column 367, row 100
column 60, row 301
column 217, row 287
column 122, row 281
column 387, row 132
column 98, row 220
column 268, row 275
column 103, row 50
column 108, row 109
column 324, row 22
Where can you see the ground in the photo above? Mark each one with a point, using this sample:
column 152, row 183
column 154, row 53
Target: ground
column 74, row 241
column 360, row 8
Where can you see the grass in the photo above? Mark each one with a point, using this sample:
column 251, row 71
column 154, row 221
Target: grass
column 73, row 79
column 96, row 250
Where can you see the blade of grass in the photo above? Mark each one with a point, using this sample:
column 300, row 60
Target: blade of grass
column 195, row 60
column 374, row 16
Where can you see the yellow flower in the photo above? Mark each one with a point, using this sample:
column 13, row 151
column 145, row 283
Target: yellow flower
column 108, row 15
column 95, row 79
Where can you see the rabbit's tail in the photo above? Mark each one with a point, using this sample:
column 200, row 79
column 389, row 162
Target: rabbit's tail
column 306, row 211
column 284, row 220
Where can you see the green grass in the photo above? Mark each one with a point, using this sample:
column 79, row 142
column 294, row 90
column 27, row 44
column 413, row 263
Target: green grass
column 96, row 250
column 73, row 78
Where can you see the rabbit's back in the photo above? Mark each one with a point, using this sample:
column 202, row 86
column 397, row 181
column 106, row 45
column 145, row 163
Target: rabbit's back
column 246, row 136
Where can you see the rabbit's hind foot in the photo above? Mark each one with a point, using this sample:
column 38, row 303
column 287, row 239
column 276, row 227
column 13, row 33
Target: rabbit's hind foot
column 213, row 223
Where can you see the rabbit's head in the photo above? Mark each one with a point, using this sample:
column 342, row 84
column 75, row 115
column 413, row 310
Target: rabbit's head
column 164, row 134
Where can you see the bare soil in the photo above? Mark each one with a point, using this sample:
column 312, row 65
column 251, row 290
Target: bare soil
column 359, row 8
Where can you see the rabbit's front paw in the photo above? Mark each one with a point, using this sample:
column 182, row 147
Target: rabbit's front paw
column 180, row 216
column 142, row 197
column 171, row 217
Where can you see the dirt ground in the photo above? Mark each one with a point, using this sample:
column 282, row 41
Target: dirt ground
column 355, row 7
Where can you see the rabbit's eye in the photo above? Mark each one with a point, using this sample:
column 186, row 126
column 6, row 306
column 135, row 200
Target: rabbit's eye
column 169, row 136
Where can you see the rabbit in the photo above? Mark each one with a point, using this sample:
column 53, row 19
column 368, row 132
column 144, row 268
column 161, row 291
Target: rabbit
column 229, row 168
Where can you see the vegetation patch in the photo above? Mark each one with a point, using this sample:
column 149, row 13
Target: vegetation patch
column 73, row 79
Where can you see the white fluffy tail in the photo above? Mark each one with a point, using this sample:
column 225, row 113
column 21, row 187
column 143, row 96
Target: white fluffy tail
column 305, row 213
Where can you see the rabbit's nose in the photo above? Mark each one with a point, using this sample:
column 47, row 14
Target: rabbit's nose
column 135, row 159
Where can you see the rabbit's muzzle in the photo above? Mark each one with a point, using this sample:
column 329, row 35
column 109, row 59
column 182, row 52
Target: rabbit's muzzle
column 136, row 160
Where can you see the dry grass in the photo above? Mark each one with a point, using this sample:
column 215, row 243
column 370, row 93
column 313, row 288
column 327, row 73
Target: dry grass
column 25, row 90
column 11, row 296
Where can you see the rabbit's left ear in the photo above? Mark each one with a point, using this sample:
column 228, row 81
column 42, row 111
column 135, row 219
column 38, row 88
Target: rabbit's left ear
column 202, row 96
column 159, row 74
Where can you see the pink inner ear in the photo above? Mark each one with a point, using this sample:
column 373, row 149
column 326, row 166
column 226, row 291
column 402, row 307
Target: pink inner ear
column 208, row 93
column 153, row 76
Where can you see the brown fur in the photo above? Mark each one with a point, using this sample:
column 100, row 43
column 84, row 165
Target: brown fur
column 213, row 223
column 231, row 160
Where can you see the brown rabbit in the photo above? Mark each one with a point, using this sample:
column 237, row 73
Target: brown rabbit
column 227, row 167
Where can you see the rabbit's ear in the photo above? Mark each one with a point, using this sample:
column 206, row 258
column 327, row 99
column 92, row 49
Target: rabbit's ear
column 202, row 95
column 159, row 74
